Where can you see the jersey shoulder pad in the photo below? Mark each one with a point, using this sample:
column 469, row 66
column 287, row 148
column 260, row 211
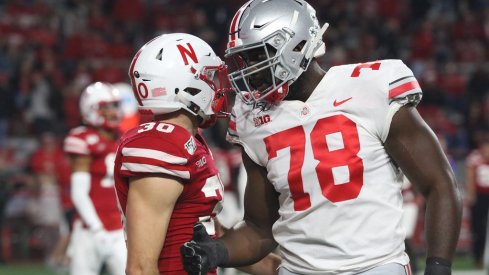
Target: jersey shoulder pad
column 402, row 84
column 232, row 134
column 80, row 139
column 157, row 152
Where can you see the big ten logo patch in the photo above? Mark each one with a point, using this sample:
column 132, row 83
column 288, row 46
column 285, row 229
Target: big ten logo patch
column 260, row 120
column 201, row 162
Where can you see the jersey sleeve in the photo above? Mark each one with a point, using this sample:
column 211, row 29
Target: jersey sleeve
column 76, row 142
column 150, row 155
column 402, row 89
column 403, row 86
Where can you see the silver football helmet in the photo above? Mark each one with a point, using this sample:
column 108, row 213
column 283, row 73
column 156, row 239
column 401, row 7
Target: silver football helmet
column 287, row 31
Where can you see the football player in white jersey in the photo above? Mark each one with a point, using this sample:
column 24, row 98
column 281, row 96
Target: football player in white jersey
column 325, row 153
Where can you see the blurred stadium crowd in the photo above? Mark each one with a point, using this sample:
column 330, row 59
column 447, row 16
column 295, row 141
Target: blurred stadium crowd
column 50, row 50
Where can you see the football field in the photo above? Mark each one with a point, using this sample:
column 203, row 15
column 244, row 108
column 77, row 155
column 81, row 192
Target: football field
column 461, row 266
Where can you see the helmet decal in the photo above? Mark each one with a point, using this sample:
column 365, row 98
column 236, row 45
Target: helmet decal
column 187, row 52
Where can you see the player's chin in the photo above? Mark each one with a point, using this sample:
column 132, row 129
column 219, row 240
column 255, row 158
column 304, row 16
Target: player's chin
column 262, row 87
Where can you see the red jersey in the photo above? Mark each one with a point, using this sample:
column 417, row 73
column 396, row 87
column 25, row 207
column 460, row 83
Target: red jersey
column 163, row 148
column 87, row 141
column 478, row 165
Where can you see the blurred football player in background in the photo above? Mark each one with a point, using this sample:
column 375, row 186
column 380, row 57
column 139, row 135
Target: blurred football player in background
column 166, row 179
column 129, row 107
column 97, row 236
column 325, row 154
column 477, row 177
column 411, row 202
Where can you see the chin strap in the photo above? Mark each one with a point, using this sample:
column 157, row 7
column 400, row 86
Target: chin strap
column 317, row 46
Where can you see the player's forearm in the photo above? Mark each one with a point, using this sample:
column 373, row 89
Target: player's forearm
column 80, row 189
column 268, row 265
column 247, row 244
column 442, row 221
column 135, row 267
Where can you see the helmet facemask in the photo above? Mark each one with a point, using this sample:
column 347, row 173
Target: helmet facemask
column 216, row 77
column 111, row 113
column 100, row 106
column 257, row 68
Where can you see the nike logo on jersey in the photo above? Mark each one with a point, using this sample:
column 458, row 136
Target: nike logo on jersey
column 338, row 103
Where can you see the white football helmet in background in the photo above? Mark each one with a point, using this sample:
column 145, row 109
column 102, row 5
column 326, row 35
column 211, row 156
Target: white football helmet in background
column 287, row 32
column 179, row 71
column 93, row 99
column 129, row 105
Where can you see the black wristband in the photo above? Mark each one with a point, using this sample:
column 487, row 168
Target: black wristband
column 437, row 266
column 222, row 256
column 438, row 261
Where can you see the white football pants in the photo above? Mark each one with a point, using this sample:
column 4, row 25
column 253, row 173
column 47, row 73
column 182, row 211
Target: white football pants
column 387, row 269
column 86, row 258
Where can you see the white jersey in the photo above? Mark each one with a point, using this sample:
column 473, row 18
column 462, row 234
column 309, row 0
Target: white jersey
column 339, row 192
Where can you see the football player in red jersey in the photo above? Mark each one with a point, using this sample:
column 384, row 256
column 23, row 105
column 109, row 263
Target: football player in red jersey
column 166, row 180
column 477, row 178
column 97, row 236
column 325, row 152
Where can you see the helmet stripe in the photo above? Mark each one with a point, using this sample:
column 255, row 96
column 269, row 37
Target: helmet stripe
column 234, row 24
column 233, row 31
column 131, row 72
column 133, row 80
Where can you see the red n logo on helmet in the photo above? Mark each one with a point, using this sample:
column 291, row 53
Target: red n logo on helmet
column 187, row 52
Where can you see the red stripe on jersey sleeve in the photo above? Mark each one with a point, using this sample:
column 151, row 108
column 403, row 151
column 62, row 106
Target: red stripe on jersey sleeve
column 406, row 87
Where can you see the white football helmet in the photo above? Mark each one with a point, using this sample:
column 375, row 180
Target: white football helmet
column 287, row 31
column 129, row 105
column 179, row 71
column 92, row 100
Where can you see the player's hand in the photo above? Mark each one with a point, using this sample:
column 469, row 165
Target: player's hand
column 202, row 254
column 437, row 266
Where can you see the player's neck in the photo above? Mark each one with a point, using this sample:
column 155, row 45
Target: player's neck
column 182, row 119
column 306, row 83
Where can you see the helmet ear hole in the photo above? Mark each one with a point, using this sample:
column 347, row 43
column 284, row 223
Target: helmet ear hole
column 192, row 91
column 299, row 46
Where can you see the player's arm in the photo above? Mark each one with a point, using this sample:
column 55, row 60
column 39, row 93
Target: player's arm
column 415, row 148
column 267, row 265
column 251, row 239
column 470, row 183
column 148, row 211
column 248, row 241
column 80, row 190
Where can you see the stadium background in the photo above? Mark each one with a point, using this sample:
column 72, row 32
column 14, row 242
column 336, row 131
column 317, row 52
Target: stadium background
column 50, row 50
